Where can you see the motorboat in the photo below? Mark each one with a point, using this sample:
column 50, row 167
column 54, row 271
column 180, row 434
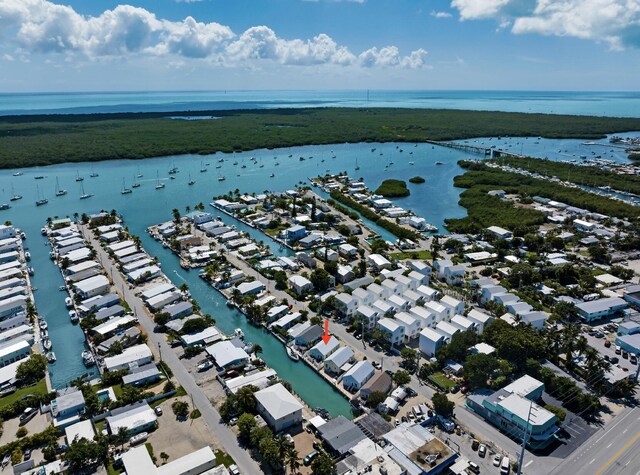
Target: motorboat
column 42, row 324
column 27, row 256
column 73, row 316
column 68, row 302
column 293, row 354
column 39, row 177
column 43, row 231
column 51, row 357
column 238, row 333
column 88, row 358
column 17, row 174
column 47, row 345
column 4, row 206
column 221, row 178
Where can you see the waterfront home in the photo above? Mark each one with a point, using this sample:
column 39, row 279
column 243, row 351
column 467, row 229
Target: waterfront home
column 378, row 262
column 347, row 251
column 276, row 312
column 310, row 240
column 463, row 323
column 310, row 336
column 67, row 408
column 144, row 274
column 339, row 361
column 430, row 342
column 298, row 329
column 278, row 407
column 207, row 336
column 345, row 304
column 97, row 303
column 322, row 350
column 142, row 375
column 135, row 418
column 83, row 266
column 131, row 357
column 14, row 350
column 250, row 288
column 167, row 229
column 92, row 286
column 138, row 460
column 178, row 310
column 410, row 325
column 306, row 260
column 285, row 322
column 177, row 324
column 480, row 319
column 393, row 332
column 300, row 284
column 287, row 263
column 7, row 232
column 227, row 356
column 128, row 338
column 341, row 434
column 295, row 233
column 601, row 308
column 108, row 328
column 380, row 382
column 259, row 379
column 446, row 329
column 382, row 203
column 358, row 375
column 22, row 332
column 515, row 410
column 159, row 301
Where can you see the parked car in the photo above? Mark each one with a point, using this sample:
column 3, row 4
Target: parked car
column 482, row 450
column 607, row 343
column 633, row 359
column 475, row 443
column 614, row 360
column 27, row 454
column 625, row 354
column 233, row 421
column 158, row 411
column 309, row 458
column 606, row 357
column 474, row 467
column 233, row 469
column 205, row 366
column 496, row 460
column 505, row 466
column 618, row 350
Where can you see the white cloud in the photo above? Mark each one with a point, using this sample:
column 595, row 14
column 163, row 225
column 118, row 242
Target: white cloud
column 436, row 14
column 8, row 57
column 40, row 26
column 614, row 22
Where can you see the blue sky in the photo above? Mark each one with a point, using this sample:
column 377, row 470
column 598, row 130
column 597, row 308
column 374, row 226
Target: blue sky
column 78, row 45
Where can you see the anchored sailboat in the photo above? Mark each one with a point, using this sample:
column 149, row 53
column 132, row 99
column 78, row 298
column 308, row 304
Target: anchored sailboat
column 159, row 184
column 59, row 191
column 40, row 201
column 84, row 195
column 125, row 190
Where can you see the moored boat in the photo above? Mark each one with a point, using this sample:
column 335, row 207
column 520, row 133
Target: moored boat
column 51, row 357
column 292, row 354
column 88, row 359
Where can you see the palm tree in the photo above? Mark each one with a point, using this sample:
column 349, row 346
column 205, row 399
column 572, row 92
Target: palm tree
column 257, row 349
column 292, row 459
column 122, row 437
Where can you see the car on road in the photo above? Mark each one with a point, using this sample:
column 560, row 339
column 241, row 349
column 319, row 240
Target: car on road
column 377, row 365
column 158, row 411
column 496, row 460
column 482, row 450
column 233, row 469
column 474, row 467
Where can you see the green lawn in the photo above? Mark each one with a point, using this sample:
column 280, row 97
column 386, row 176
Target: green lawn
column 441, row 381
column 111, row 470
column 38, row 389
column 425, row 255
column 223, row 458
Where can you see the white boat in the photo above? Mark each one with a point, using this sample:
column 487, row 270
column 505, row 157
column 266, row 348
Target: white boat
column 221, row 178
column 14, row 196
column 17, row 174
column 40, row 201
column 159, row 184
column 138, row 438
column 125, row 190
column 4, row 206
column 202, row 168
column 68, row 302
column 78, row 177
column 27, row 256
column 88, row 359
column 191, row 182
column 59, row 191
column 73, row 316
column 238, row 333
column 51, row 357
column 47, row 345
column 42, row 324
column 84, row 195
column 43, row 231
column 292, row 354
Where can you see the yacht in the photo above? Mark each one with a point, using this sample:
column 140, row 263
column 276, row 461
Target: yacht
column 159, row 184
column 27, row 256
column 125, row 190
column 439, row 163
column 73, row 316
column 191, row 182
column 139, row 175
column 93, row 173
column 14, row 196
column 88, row 359
column 42, row 324
column 47, row 345
column 173, row 170
column 221, row 178
column 202, row 168
column 40, row 201
column 238, row 333
column 357, row 166
column 17, row 174
column 68, row 302
column 4, row 206
column 84, row 195
column 78, row 177
column 272, row 175
column 59, row 191
column 51, row 357
column 291, row 353
column 135, row 184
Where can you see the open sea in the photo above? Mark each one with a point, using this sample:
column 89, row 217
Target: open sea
column 435, row 200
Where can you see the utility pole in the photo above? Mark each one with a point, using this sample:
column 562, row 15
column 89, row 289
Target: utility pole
column 524, row 440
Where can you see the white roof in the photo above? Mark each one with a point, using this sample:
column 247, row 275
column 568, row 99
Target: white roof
column 520, row 406
column 431, row 335
column 129, row 355
column 460, row 321
column 13, row 346
column 524, row 386
column 360, row 371
column 82, row 429
column 277, row 401
column 388, row 324
column 91, row 283
column 136, row 274
column 479, row 316
column 113, row 323
column 208, row 333
column 325, row 349
column 341, row 356
column 135, row 417
column 447, row 300
column 447, row 329
column 82, row 266
column 116, row 246
column 157, row 290
column 225, row 353
column 260, row 379
column 484, row 348
column 405, row 319
column 299, row 281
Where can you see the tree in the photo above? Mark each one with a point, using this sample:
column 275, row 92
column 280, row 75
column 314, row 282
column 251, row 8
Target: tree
column 292, row 459
column 180, row 409
column 401, row 377
column 257, row 349
column 32, row 370
column 331, row 267
column 599, row 253
column 164, row 456
column 409, row 359
column 195, row 325
column 83, row 453
column 323, row 464
column 281, row 280
column 259, row 433
column 458, row 347
column 162, row 318
column 320, row 279
column 176, row 215
column 121, row 437
column 270, row 451
column 478, row 369
column 49, row 453
column 441, row 405
column 246, row 423
column 116, row 348
column 375, row 398
column 16, row 456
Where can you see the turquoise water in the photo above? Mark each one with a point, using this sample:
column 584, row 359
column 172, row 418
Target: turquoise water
column 435, row 200
column 622, row 104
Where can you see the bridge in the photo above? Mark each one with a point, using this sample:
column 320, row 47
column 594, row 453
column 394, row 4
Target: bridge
column 478, row 150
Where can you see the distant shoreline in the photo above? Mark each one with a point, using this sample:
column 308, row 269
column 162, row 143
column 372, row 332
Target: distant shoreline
column 40, row 140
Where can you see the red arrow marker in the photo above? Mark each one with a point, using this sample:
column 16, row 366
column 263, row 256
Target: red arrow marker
column 326, row 337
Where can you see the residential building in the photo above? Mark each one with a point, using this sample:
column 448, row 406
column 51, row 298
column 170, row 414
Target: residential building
column 322, row 350
column 136, row 418
column 339, row 361
column 392, row 330
column 227, row 356
column 381, row 382
column 278, row 407
column 300, row 284
column 430, row 342
column 358, row 375
column 132, row 357
column 601, row 308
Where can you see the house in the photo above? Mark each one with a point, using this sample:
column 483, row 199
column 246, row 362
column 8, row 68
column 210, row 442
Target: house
column 427, row 293
column 285, row 322
column 79, row 430
column 499, row 233
column 367, row 315
column 310, row 240
column 67, row 408
column 480, row 319
column 427, row 318
column 363, row 296
column 203, row 461
column 345, row 274
column 398, row 303
column 92, row 286
column 310, row 336
column 337, row 361
column 300, row 284
column 178, row 310
column 440, row 311
column 381, row 382
column 463, row 323
column 278, row 407
column 132, row 357
column 250, row 288
column 378, row 262
column 453, row 305
column 277, row 312
column 536, row 319
column 142, row 375
column 347, row 251
column 340, row 434
column 227, row 356
column 430, row 342
column 447, row 330
column 392, row 330
column 421, row 267
column 417, row 279
column 381, row 307
column 136, row 418
column 207, row 336
column 601, row 308
column 322, row 350
column 358, row 375
column 345, row 304
column 14, row 350
column 410, row 324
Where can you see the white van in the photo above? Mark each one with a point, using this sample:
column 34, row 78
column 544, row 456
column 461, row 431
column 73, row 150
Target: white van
column 505, row 466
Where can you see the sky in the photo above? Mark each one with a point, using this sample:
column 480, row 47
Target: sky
column 144, row 45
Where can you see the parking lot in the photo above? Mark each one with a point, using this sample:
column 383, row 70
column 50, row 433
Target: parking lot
column 609, row 352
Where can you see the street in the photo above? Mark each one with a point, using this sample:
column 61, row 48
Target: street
column 223, row 434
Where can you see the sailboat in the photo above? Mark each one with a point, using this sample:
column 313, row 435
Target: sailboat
column 202, row 168
column 139, row 175
column 84, row 195
column 357, row 166
column 191, row 182
column 173, row 170
column 15, row 197
column 135, row 184
column 78, row 177
column 221, row 178
column 159, row 184
column 59, row 191
column 93, row 173
column 125, row 190
column 40, row 201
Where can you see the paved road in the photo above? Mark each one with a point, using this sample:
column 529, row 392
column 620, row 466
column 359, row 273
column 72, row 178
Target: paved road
column 226, row 437
column 613, row 450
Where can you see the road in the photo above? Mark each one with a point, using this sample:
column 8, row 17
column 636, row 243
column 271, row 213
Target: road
column 211, row 416
column 613, row 450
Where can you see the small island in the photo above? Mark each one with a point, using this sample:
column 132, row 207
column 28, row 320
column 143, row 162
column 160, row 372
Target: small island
column 417, row 179
column 393, row 189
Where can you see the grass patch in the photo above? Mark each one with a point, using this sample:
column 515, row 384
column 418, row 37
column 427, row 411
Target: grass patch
column 393, row 189
column 223, row 458
column 27, row 141
column 180, row 391
column 117, row 390
column 440, row 380
column 195, row 414
column 38, row 389
column 100, row 425
column 111, row 470
column 425, row 255
column 417, row 179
